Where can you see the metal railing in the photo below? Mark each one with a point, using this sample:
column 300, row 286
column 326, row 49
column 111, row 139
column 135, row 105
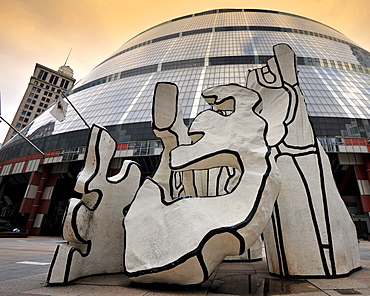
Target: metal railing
column 333, row 144
column 139, row 148
column 146, row 148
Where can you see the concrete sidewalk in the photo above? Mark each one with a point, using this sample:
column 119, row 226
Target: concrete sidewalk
column 24, row 264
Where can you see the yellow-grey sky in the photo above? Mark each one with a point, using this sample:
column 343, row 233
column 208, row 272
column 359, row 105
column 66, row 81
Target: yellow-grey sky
column 43, row 31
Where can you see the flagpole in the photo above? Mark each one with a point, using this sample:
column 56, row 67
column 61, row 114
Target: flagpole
column 29, row 142
column 67, row 57
column 75, row 109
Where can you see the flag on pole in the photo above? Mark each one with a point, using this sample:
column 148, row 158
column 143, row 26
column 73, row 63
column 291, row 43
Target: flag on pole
column 78, row 113
column 59, row 110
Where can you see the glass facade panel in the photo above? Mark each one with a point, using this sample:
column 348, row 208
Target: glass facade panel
column 206, row 49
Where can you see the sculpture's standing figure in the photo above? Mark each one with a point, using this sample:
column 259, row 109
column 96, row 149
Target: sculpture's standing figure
column 311, row 232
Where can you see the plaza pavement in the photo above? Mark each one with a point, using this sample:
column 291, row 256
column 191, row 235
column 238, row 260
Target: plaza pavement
column 24, row 264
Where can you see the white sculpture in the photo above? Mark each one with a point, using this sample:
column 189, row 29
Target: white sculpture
column 93, row 225
column 216, row 188
column 187, row 238
column 254, row 253
column 310, row 219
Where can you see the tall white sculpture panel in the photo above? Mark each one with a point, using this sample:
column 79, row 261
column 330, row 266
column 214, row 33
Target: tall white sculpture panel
column 310, row 219
column 249, row 164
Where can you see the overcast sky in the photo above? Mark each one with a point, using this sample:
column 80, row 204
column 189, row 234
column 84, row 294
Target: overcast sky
column 43, row 31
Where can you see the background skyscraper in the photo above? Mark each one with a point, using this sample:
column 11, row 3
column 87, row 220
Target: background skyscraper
column 43, row 89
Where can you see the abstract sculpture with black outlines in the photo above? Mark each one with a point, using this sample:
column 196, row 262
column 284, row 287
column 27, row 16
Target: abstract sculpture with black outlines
column 311, row 232
column 250, row 164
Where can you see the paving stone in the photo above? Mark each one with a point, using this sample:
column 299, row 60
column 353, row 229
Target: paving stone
column 363, row 291
column 266, row 275
column 64, row 290
column 341, row 292
column 320, row 293
column 237, row 278
column 20, row 286
column 341, row 283
column 109, row 280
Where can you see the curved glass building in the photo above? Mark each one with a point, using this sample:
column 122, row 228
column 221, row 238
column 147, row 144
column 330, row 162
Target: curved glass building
column 198, row 51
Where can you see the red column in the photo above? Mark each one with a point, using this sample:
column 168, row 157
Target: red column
column 36, row 203
column 362, row 176
column 367, row 166
column 367, row 196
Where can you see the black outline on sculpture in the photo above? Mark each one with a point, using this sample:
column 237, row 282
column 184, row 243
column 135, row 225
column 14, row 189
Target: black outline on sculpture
column 231, row 229
column 312, row 149
column 281, row 147
column 168, row 128
column 282, row 141
column 82, row 203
